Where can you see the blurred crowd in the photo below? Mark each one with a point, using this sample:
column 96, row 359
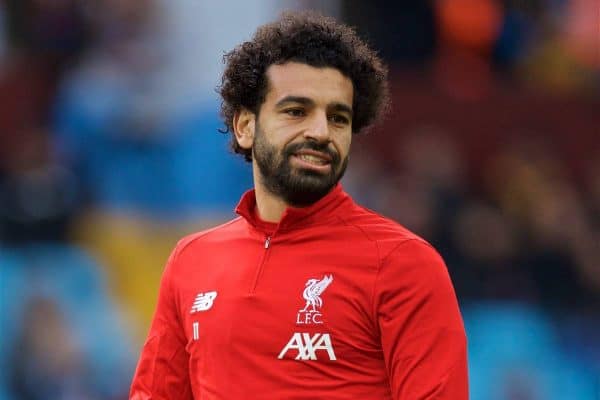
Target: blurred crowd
column 110, row 152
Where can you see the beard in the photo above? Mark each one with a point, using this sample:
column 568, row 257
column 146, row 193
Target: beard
column 298, row 187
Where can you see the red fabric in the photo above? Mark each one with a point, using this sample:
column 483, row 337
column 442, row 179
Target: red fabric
column 387, row 326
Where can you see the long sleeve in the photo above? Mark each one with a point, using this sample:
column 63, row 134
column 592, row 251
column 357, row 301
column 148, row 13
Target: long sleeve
column 422, row 331
column 162, row 370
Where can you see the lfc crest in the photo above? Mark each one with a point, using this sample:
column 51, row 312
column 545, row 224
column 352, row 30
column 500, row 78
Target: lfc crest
column 311, row 313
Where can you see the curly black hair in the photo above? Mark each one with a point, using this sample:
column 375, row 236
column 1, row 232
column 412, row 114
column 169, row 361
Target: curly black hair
column 312, row 39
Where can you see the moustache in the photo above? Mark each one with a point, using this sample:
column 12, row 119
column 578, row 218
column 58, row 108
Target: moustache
column 293, row 148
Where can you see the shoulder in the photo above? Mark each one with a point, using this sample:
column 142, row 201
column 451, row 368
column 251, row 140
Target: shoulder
column 389, row 235
column 217, row 233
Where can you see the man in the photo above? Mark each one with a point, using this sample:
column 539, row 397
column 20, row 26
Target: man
column 306, row 295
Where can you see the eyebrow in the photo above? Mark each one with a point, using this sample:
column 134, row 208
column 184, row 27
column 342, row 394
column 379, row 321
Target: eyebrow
column 309, row 102
column 342, row 108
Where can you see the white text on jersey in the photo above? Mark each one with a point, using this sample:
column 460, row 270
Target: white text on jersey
column 308, row 346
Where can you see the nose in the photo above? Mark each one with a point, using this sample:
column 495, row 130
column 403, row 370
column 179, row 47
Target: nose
column 318, row 129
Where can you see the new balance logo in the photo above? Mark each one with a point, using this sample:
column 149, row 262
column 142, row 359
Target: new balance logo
column 307, row 346
column 203, row 302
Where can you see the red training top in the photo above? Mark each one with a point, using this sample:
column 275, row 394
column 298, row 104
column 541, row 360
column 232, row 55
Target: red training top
column 333, row 302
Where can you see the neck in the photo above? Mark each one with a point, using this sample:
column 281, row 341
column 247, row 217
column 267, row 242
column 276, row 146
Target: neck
column 270, row 207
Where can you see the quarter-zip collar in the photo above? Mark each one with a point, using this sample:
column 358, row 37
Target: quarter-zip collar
column 317, row 213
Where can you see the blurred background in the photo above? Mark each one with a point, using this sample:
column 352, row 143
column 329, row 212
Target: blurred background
column 110, row 152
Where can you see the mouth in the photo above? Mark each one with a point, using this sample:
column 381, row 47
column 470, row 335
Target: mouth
column 314, row 157
column 314, row 160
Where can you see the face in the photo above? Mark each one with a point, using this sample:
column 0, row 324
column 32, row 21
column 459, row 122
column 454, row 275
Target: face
column 303, row 132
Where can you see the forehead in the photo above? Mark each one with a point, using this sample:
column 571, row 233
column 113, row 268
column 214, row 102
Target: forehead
column 322, row 85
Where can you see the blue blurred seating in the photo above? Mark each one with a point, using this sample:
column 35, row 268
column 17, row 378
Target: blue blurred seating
column 12, row 282
column 514, row 353
column 75, row 283
column 174, row 163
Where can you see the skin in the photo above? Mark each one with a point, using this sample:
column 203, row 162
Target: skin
column 303, row 103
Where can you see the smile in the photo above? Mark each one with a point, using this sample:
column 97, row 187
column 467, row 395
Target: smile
column 313, row 159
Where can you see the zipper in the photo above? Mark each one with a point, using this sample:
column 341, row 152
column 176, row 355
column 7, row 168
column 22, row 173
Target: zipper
column 263, row 259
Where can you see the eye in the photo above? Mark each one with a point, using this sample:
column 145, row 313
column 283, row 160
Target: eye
column 339, row 119
column 294, row 112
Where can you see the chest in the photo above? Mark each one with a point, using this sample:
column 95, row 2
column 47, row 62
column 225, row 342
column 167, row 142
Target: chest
column 301, row 300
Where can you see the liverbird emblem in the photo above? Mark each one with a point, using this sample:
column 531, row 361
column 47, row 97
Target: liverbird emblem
column 312, row 292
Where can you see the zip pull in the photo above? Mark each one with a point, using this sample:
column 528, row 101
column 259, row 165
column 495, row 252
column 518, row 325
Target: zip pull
column 267, row 242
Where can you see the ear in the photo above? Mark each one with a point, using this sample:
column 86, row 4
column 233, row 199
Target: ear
column 244, row 122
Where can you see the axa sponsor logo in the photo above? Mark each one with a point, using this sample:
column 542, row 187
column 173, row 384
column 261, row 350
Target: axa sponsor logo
column 203, row 301
column 313, row 290
column 308, row 346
